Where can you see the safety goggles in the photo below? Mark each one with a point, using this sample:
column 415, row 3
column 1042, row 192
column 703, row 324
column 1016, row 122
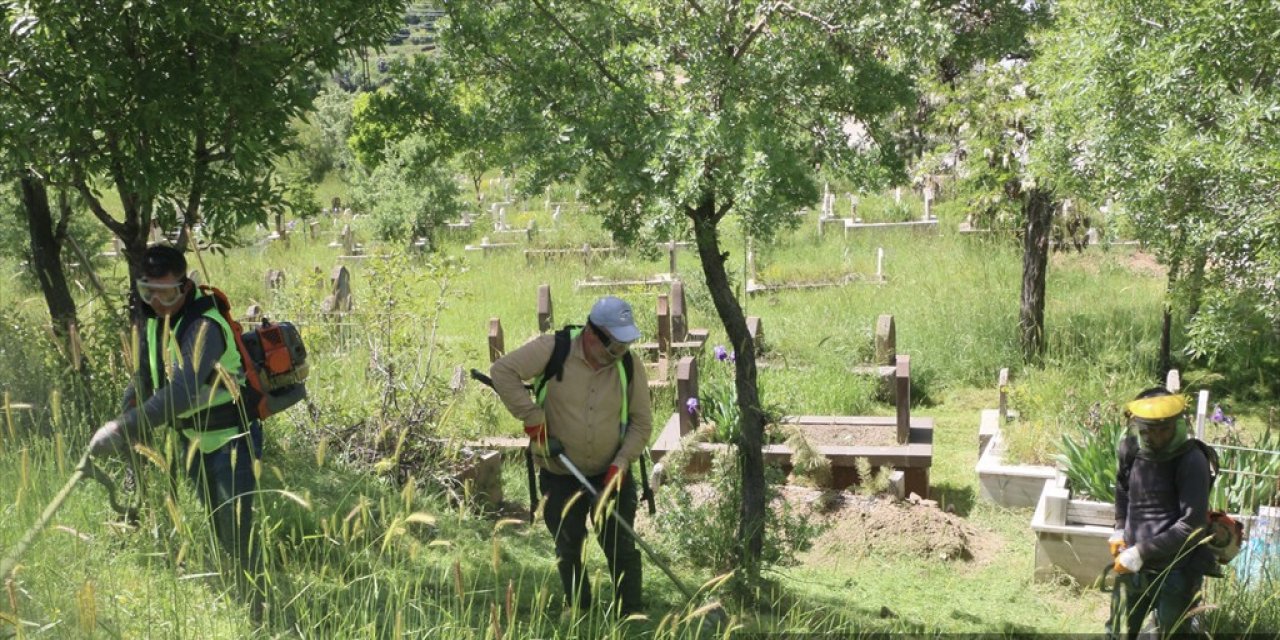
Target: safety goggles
column 615, row 348
column 166, row 294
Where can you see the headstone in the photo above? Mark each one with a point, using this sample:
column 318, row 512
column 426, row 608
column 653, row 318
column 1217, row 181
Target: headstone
column 664, row 324
column 459, row 380
column 1260, row 554
column 339, row 300
column 686, row 388
column 928, row 200
column 1173, row 381
column 313, row 228
column 897, row 195
column 253, row 313
column 879, row 263
column 335, row 205
column 671, row 257
column 1003, row 384
column 1202, row 409
column 274, row 279
column 1091, row 235
column 903, row 380
column 546, row 319
column 886, row 340
column 679, row 322
column 755, row 329
column 497, row 347
column 155, row 235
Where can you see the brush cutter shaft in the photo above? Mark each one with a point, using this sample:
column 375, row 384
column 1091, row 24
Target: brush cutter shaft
column 653, row 555
column 10, row 561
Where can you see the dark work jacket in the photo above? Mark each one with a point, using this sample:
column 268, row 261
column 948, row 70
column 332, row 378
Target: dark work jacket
column 1163, row 508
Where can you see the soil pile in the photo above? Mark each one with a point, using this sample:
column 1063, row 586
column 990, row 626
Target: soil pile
column 862, row 526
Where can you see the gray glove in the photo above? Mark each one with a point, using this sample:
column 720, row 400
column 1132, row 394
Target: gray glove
column 108, row 440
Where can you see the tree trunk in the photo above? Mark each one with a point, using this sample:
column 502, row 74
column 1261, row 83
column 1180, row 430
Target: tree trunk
column 750, row 445
column 1164, row 359
column 46, row 255
column 1037, row 209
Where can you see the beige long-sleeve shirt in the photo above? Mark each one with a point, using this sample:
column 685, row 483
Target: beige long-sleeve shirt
column 582, row 409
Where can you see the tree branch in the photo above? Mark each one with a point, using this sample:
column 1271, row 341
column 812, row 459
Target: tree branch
column 591, row 57
column 791, row 10
column 754, row 31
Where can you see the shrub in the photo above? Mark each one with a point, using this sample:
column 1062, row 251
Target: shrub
column 1088, row 451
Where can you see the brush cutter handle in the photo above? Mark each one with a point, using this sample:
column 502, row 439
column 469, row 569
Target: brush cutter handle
column 649, row 551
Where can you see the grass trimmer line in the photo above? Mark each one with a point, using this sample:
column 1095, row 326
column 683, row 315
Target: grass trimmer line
column 85, row 468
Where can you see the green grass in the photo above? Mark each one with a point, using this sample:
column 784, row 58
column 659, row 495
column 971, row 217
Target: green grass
column 344, row 561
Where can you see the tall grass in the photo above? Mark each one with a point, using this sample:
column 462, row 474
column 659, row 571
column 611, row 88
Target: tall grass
column 354, row 552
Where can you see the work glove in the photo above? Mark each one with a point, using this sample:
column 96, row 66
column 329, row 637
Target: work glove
column 1129, row 561
column 542, row 445
column 1116, row 542
column 108, row 440
column 612, row 482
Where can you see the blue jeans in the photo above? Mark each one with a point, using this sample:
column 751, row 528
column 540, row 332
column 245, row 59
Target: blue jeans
column 226, row 483
column 1172, row 593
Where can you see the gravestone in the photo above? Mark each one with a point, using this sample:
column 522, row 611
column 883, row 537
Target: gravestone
column 339, row 300
column 546, row 318
column 253, row 313
column 459, row 380
column 686, row 388
column 902, row 377
column 755, row 329
column 664, row 324
column 497, row 346
column 886, row 340
column 679, row 321
column 348, row 241
column 274, row 279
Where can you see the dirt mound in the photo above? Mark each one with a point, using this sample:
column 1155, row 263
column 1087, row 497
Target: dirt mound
column 858, row 526
column 862, row 526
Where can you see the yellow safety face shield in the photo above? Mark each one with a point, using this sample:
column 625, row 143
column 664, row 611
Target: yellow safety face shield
column 1157, row 408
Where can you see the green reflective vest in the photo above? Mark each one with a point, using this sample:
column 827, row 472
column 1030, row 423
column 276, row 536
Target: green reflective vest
column 210, row 440
column 624, row 413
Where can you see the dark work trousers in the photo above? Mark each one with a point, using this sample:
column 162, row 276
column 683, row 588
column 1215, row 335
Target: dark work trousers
column 226, row 483
column 1172, row 593
column 569, row 527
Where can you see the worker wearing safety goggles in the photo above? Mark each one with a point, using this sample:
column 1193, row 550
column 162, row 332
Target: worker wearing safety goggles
column 1161, row 512
column 187, row 378
column 600, row 420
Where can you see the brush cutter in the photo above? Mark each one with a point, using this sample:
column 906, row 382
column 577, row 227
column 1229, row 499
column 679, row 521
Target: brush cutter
column 85, row 468
column 713, row 614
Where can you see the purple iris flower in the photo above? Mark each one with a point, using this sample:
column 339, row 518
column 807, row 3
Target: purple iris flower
column 721, row 353
column 691, row 405
column 1218, row 415
column 733, row 356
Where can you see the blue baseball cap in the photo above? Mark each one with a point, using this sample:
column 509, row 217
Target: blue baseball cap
column 614, row 315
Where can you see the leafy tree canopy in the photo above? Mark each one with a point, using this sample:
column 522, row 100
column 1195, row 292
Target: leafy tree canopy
column 176, row 106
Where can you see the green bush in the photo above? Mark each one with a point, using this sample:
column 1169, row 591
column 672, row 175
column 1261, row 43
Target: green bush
column 701, row 526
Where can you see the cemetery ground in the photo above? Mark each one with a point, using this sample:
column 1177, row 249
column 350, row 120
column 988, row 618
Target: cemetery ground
column 362, row 535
